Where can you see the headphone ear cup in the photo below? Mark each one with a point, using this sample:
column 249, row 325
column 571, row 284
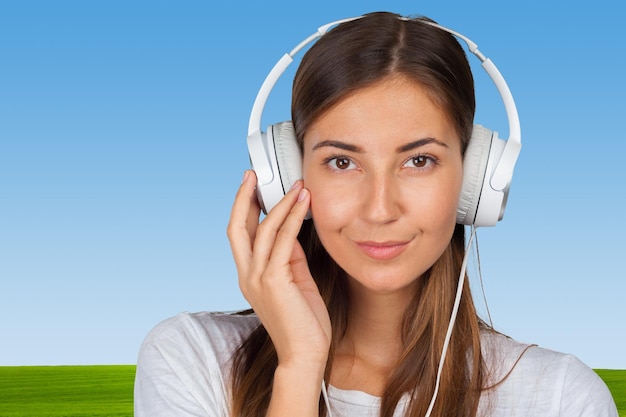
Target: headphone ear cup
column 288, row 154
column 275, row 158
column 474, row 171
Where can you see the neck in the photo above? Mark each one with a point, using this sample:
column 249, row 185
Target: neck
column 376, row 320
column 372, row 345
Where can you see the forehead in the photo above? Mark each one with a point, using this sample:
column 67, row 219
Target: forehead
column 386, row 114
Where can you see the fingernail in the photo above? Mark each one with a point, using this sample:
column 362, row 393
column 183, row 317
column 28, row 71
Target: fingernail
column 295, row 184
column 245, row 175
column 302, row 194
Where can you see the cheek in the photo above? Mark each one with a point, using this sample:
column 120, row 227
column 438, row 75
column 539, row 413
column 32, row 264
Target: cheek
column 449, row 201
column 434, row 207
column 330, row 204
column 329, row 215
column 327, row 202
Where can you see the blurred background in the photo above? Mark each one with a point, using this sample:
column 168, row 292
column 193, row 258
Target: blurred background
column 122, row 143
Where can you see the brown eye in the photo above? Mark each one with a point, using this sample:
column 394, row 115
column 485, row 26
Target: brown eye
column 420, row 161
column 342, row 163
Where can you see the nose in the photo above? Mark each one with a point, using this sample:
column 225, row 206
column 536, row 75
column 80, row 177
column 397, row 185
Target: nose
column 380, row 203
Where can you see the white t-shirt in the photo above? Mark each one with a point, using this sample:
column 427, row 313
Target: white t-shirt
column 184, row 364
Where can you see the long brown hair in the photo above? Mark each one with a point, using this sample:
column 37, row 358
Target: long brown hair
column 352, row 56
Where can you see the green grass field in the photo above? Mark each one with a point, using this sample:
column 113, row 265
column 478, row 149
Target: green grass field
column 68, row 391
column 616, row 381
column 99, row 391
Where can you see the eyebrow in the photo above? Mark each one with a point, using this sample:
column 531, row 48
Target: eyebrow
column 419, row 143
column 338, row 144
column 354, row 148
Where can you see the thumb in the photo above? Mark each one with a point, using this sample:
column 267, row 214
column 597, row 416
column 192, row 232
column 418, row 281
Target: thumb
column 299, row 265
column 301, row 273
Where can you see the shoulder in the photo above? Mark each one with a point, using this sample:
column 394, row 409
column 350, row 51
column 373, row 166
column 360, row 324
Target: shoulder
column 184, row 361
column 541, row 381
column 221, row 330
column 208, row 338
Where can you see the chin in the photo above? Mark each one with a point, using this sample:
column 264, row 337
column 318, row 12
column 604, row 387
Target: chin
column 386, row 282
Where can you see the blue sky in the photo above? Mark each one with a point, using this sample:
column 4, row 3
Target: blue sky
column 122, row 142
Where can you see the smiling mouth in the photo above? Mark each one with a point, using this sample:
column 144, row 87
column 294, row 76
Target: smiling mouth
column 382, row 251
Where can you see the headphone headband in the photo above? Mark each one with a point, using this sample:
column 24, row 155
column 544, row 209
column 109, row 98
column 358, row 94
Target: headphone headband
column 278, row 69
column 502, row 157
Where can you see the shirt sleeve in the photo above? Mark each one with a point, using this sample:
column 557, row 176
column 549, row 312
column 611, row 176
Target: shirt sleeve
column 532, row 381
column 585, row 394
column 179, row 372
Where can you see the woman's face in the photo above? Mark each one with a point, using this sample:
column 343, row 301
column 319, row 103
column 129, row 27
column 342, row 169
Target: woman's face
column 384, row 169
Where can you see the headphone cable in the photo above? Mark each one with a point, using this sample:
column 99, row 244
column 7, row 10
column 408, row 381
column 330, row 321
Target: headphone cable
column 455, row 310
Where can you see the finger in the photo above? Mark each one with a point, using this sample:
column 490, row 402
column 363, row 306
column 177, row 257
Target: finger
column 269, row 227
column 252, row 220
column 287, row 235
column 299, row 265
column 243, row 222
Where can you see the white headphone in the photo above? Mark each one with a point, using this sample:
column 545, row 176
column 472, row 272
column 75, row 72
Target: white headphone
column 488, row 163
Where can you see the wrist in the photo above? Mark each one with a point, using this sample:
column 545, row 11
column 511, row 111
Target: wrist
column 309, row 368
column 313, row 364
column 296, row 390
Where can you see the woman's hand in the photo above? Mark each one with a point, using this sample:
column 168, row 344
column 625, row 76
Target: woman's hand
column 274, row 275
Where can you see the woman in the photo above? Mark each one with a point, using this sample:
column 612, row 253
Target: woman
column 358, row 299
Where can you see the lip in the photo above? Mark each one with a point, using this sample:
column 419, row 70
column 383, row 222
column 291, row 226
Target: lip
column 382, row 251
